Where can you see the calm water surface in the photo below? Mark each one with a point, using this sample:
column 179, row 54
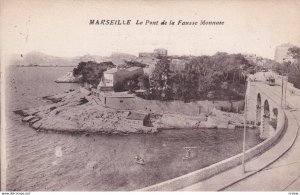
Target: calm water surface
column 51, row 161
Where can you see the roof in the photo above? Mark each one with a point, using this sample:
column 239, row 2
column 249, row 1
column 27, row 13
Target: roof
column 111, row 71
column 133, row 68
column 137, row 116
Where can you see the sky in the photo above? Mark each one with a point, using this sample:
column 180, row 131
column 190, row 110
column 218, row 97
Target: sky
column 61, row 27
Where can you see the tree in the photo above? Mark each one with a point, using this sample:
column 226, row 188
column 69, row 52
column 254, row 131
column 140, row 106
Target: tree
column 189, row 86
column 143, row 82
column 135, row 63
column 294, row 52
column 131, row 86
column 293, row 67
column 91, row 71
column 160, row 83
column 128, row 84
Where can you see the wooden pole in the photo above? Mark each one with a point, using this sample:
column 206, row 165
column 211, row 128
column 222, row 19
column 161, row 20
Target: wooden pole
column 281, row 89
column 245, row 124
column 286, row 81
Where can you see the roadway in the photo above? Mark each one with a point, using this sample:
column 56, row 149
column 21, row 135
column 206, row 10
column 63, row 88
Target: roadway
column 283, row 174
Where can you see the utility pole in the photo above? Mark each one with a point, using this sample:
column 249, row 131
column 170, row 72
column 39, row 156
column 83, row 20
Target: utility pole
column 281, row 89
column 286, row 81
column 245, row 123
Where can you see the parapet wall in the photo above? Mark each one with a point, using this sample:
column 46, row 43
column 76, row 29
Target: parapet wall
column 207, row 172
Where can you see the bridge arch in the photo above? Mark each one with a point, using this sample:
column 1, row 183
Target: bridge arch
column 275, row 113
column 274, row 118
column 264, row 128
column 266, row 109
column 258, row 110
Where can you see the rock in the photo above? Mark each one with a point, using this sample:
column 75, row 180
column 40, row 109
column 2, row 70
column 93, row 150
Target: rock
column 91, row 165
column 208, row 125
column 211, row 126
column 222, row 126
column 35, row 119
column 68, row 78
column 21, row 112
column 58, row 151
column 181, row 121
column 64, row 114
column 28, row 118
column 230, row 126
column 202, row 124
column 217, row 121
column 36, row 125
column 52, row 99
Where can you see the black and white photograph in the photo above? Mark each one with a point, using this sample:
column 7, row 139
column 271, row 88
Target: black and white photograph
column 148, row 95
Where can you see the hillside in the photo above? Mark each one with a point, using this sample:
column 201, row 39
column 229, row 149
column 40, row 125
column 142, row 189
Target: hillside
column 38, row 58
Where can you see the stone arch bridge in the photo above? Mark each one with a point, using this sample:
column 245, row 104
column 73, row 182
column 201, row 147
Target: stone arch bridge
column 262, row 107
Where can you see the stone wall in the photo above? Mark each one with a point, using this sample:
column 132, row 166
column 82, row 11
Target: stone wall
column 192, row 108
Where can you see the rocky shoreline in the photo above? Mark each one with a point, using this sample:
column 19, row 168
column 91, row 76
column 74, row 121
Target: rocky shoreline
column 73, row 112
column 68, row 78
column 67, row 113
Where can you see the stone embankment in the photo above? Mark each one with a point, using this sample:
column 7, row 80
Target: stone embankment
column 215, row 119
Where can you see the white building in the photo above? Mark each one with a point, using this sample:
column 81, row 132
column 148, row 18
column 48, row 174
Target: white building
column 281, row 53
column 159, row 52
column 114, row 75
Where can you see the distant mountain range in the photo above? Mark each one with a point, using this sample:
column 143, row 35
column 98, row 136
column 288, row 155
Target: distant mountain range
column 35, row 58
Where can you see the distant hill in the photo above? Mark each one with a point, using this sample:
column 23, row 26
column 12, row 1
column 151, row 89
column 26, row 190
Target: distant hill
column 40, row 59
column 119, row 58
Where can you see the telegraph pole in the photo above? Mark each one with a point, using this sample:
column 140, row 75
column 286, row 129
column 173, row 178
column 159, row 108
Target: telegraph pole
column 281, row 89
column 286, row 81
column 245, row 123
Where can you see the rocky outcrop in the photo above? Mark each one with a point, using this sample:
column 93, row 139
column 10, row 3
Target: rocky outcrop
column 69, row 114
column 68, row 78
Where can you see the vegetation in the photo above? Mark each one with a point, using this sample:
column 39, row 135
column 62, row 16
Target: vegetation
column 160, row 81
column 291, row 68
column 221, row 76
column 92, row 72
column 134, row 63
column 218, row 77
column 133, row 84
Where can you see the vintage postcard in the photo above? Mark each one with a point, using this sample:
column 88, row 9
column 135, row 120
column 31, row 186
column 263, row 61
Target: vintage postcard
column 148, row 95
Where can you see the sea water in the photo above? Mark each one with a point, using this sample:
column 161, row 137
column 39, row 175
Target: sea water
column 50, row 161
